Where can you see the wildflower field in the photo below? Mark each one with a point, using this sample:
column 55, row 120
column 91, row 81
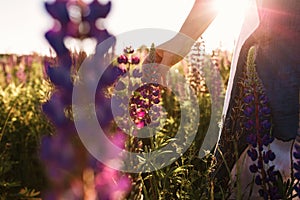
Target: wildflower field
column 41, row 159
column 152, row 134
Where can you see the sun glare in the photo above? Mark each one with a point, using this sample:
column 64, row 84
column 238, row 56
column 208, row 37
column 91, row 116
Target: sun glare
column 225, row 28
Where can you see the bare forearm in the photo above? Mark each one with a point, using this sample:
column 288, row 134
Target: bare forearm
column 199, row 18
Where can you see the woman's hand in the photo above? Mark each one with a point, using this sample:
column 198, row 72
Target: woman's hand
column 168, row 54
column 164, row 57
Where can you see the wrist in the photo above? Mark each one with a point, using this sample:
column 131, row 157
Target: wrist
column 180, row 45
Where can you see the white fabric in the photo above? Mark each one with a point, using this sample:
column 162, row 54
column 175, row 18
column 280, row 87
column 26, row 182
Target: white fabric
column 282, row 163
column 251, row 22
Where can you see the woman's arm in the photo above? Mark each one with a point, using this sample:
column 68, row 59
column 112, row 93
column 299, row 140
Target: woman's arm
column 200, row 17
column 202, row 14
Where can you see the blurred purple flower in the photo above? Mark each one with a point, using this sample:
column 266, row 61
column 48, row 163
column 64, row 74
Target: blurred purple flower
column 56, row 40
column 60, row 152
column 54, row 109
column 96, row 11
column 58, row 10
column 111, row 185
column 60, row 77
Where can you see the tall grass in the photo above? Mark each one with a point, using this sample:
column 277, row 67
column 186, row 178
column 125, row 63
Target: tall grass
column 22, row 124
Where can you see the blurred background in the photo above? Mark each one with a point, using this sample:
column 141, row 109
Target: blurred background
column 23, row 23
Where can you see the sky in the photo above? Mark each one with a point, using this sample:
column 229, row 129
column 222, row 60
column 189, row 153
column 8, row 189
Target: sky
column 23, row 23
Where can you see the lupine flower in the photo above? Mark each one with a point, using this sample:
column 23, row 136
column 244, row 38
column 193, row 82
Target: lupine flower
column 248, row 111
column 144, row 97
column 253, row 168
column 58, row 10
column 111, row 185
column 137, row 73
column 249, row 124
column 252, row 153
column 251, row 139
column 195, row 74
column 122, row 59
column 258, row 180
column 248, row 98
column 258, row 127
column 135, row 60
column 66, row 161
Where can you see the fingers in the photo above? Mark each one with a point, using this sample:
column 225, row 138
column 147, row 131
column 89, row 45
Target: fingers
column 163, row 61
column 170, row 59
column 156, row 58
column 163, row 71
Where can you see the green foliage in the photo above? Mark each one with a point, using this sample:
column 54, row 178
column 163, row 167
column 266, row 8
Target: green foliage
column 22, row 124
column 188, row 177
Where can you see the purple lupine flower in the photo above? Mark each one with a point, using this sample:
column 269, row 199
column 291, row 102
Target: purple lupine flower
column 258, row 128
column 265, row 110
column 258, row 180
column 260, row 164
column 266, row 124
column 271, row 155
column 251, row 139
column 263, row 194
column 54, row 109
column 60, row 77
column 110, row 75
column 96, row 11
column 136, row 73
column 144, row 97
column 249, row 124
column 147, row 96
column 135, row 60
column 248, row 98
column 59, row 151
column 248, row 111
column 122, row 59
column 252, row 153
column 58, row 10
column 272, row 173
column 263, row 99
column 55, row 39
column 253, row 168
column 267, row 139
column 111, row 185
column 120, row 86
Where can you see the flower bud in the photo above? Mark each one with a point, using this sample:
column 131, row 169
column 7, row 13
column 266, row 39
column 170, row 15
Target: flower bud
column 122, row 59
column 135, row 60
